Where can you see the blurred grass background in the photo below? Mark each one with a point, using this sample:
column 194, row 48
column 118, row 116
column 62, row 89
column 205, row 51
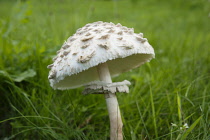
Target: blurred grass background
column 173, row 88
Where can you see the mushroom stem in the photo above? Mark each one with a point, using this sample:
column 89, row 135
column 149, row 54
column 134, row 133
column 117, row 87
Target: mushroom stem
column 112, row 105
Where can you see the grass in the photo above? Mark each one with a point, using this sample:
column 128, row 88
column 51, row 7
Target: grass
column 173, row 88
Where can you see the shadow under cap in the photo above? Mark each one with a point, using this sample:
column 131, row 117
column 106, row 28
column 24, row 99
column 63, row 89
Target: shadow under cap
column 116, row 67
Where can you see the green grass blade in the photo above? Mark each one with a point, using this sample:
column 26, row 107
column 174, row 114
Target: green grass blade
column 153, row 113
column 179, row 108
column 142, row 121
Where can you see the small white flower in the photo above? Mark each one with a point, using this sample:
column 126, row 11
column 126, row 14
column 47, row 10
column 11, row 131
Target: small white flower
column 173, row 124
column 185, row 125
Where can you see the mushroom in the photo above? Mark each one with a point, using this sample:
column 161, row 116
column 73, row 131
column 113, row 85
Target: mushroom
column 108, row 54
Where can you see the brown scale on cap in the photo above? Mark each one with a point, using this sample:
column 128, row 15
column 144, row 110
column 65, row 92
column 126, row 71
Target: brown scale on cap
column 85, row 28
column 81, row 32
column 124, row 28
column 65, row 53
column 61, row 68
column 105, row 46
column 110, row 27
column 89, row 29
column 88, row 34
column 85, row 58
column 104, row 36
column 127, row 46
column 55, row 58
column 72, row 39
column 58, row 51
column 50, row 66
column 65, row 46
column 125, row 31
column 104, row 24
column 120, row 33
column 79, row 29
column 96, row 30
column 74, row 53
column 52, row 75
column 86, row 38
column 111, row 31
column 61, row 55
column 85, row 46
column 130, row 31
column 142, row 40
column 59, row 61
column 118, row 25
column 95, row 25
column 87, row 25
column 120, row 38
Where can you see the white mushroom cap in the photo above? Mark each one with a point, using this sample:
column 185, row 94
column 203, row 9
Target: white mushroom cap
column 95, row 43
